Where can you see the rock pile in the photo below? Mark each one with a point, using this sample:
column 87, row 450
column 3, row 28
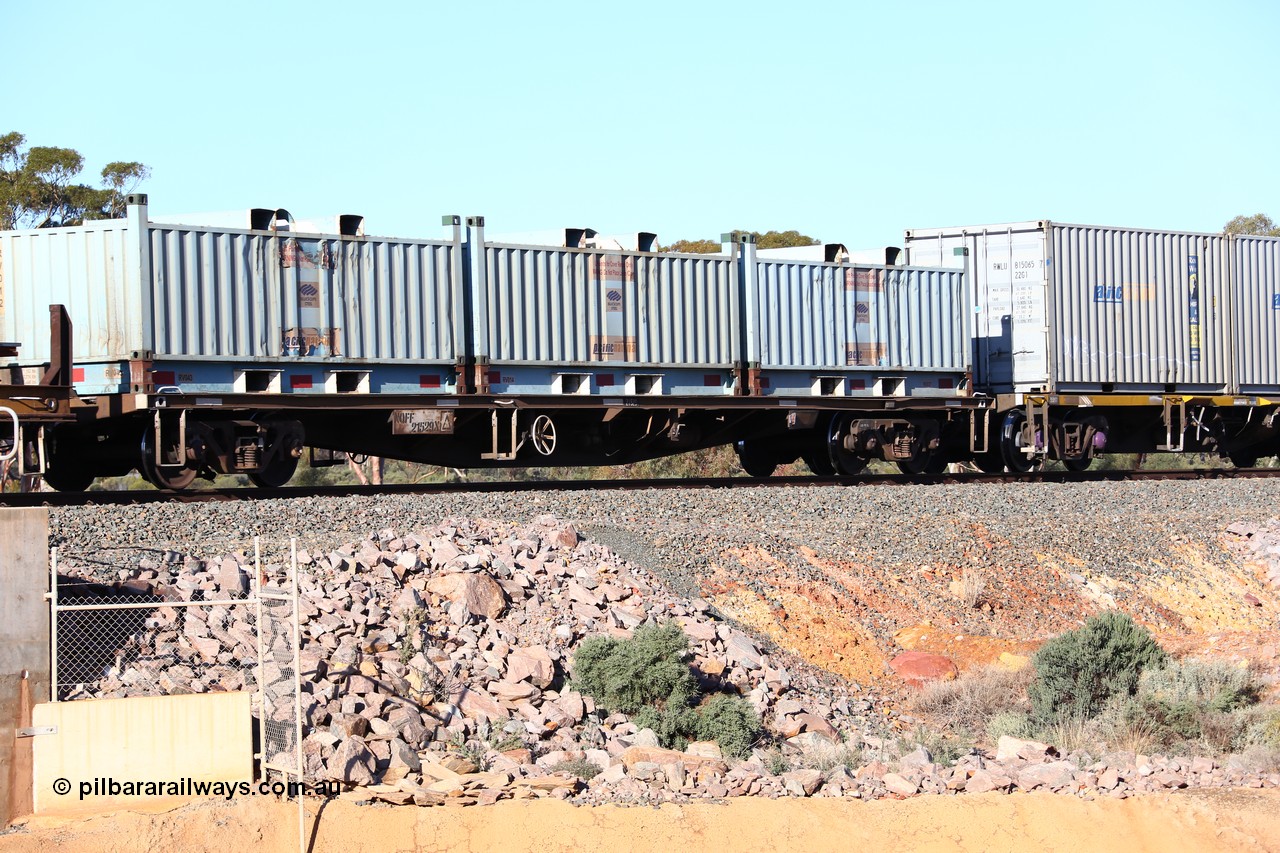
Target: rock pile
column 436, row 668
column 1259, row 542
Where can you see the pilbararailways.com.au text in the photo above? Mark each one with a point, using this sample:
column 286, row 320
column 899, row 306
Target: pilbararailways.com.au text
column 188, row 787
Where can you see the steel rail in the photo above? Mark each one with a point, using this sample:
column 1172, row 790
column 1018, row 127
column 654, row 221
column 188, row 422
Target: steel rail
column 249, row 493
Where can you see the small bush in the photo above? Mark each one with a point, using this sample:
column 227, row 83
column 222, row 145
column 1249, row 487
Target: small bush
column 1211, row 685
column 1012, row 723
column 672, row 722
column 629, row 674
column 1264, row 729
column 1077, row 673
column 579, row 767
column 647, row 677
column 1194, row 703
column 730, row 721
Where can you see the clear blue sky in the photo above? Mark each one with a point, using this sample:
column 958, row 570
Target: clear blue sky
column 847, row 121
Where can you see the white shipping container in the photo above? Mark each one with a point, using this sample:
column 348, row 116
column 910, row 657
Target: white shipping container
column 1080, row 308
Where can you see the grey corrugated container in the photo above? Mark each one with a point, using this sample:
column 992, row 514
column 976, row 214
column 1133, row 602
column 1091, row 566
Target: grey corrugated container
column 215, row 293
column 1091, row 308
column 1256, row 307
column 566, row 306
column 836, row 316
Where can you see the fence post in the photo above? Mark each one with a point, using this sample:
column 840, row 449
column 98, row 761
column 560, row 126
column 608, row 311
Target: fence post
column 297, row 690
column 53, row 624
column 262, row 690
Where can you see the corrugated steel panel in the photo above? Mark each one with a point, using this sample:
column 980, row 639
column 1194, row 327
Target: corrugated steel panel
column 1139, row 309
column 219, row 293
column 90, row 269
column 576, row 306
column 1256, row 311
column 234, row 294
column 831, row 316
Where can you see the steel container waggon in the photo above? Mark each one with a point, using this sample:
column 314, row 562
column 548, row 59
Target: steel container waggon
column 229, row 343
column 1100, row 339
column 223, row 310
column 235, row 343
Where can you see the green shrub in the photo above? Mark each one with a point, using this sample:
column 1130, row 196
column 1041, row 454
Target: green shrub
column 579, row 767
column 1194, row 702
column 673, row 723
column 730, row 721
column 647, row 677
column 1012, row 723
column 1211, row 685
column 1264, row 728
column 1078, row 672
column 629, row 674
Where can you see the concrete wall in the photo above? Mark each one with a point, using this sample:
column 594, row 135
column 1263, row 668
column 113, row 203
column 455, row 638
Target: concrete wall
column 24, row 645
column 163, row 740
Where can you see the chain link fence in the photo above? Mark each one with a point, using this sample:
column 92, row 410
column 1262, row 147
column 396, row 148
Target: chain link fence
column 151, row 621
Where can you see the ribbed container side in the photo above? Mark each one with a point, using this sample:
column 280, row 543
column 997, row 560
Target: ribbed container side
column 233, row 294
column 555, row 305
column 1140, row 309
column 87, row 268
column 1256, row 310
column 829, row 316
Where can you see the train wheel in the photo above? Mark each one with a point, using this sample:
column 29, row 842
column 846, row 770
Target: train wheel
column 67, row 475
column 1011, row 444
column 819, row 462
column 841, row 460
column 755, row 460
column 166, row 477
column 1077, row 465
column 275, row 475
column 1244, row 459
column 925, row 463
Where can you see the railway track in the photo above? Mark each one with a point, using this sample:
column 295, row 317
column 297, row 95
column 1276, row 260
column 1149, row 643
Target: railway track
column 249, row 493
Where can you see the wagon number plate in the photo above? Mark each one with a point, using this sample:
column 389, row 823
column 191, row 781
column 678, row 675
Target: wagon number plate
column 421, row 422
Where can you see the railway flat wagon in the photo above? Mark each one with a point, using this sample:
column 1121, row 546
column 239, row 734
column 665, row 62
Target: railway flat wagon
column 210, row 345
column 877, row 336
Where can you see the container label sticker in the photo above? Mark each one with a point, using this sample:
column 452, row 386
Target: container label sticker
column 1275, row 302
column 310, row 337
column 868, row 353
column 1193, row 304
column 1108, row 293
column 614, row 273
column 865, row 281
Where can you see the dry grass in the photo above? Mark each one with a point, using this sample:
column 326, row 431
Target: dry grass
column 972, row 583
column 969, row 702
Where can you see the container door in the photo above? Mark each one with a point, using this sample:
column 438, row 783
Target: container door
column 988, row 305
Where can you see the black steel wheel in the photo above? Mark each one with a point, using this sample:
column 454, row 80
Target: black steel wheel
column 68, row 475
column 1011, row 444
column 172, row 477
column 277, row 473
column 756, row 460
column 842, row 461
